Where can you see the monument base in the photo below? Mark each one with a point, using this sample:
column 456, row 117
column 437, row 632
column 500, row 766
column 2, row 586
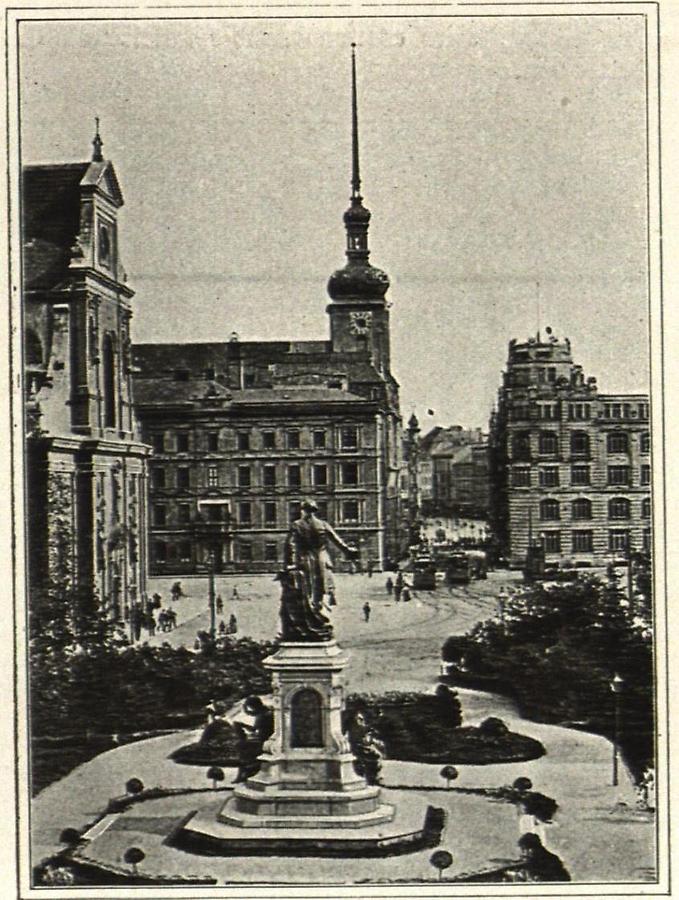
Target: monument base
column 412, row 827
column 307, row 798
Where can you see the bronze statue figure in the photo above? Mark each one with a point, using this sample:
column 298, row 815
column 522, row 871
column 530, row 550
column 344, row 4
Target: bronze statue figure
column 307, row 578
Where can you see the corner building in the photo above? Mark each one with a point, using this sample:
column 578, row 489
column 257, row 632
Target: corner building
column 242, row 431
column 86, row 467
column 570, row 467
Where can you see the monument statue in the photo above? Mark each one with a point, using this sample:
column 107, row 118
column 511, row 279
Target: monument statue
column 307, row 577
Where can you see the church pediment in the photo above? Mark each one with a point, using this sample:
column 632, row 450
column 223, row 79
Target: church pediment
column 102, row 176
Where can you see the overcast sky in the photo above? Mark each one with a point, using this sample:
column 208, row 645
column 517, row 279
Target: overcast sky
column 496, row 153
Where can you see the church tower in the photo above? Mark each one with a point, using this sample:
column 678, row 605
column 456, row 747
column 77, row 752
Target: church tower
column 359, row 318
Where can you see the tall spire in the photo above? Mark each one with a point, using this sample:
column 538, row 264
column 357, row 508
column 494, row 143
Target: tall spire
column 97, row 143
column 355, row 171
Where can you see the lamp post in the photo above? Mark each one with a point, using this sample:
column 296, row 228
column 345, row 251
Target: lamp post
column 617, row 685
column 212, row 532
column 502, row 598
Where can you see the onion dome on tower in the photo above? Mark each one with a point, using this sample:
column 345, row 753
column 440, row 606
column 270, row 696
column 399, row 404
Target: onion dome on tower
column 358, row 280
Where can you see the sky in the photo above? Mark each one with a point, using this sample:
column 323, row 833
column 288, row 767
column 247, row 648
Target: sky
column 503, row 159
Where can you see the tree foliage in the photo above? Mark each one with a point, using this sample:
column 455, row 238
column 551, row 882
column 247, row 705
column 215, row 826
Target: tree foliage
column 557, row 651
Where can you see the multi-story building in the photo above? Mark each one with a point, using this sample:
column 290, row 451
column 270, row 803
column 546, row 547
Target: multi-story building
column 452, row 471
column 86, row 467
column 570, row 467
column 242, row 431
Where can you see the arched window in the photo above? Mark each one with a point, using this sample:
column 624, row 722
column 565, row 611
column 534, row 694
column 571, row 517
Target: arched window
column 646, row 508
column 549, row 509
column 619, row 508
column 109, row 378
column 306, row 719
column 33, row 347
column 579, row 443
column 582, row 508
column 548, row 442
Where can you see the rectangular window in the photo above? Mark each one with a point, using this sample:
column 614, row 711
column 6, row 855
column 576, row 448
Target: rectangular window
column 184, row 551
column 244, row 476
column 548, row 442
column 183, row 477
column 322, row 509
column 618, row 475
column 269, row 440
column 182, row 442
column 582, row 541
column 243, row 440
column 249, row 380
column 159, row 516
column 245, row 513
column 160, row 551
column 579, row 475
column 645, row 474
column 551, row 541
column 270, row 551
column 212, row 476
column 269, row 476
column 349, row 437
column 521, row 477
column 158, row 476
column 549, row 477
column 646, row 540
column 269, row 513
column 214, row 513
column 245, row 552
column 350, row 511
column 349, row 473
column 295, row 510
column 294, row 476
column 616, row 410
column 158, row 442
column 213, row 441
column 320, row 475
column 618, row 539
column 184, row 513
column 617, row 442
column 645, row 442
column 293, row 440
column 319, row 440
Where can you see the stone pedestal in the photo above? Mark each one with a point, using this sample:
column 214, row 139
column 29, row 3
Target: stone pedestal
column 307, row 777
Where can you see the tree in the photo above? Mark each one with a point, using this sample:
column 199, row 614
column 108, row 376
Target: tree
column 133, row 856
column 441, row 859
column 216, row 774
column 450, row 773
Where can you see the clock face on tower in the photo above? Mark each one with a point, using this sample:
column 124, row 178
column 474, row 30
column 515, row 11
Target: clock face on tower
column 360, row 322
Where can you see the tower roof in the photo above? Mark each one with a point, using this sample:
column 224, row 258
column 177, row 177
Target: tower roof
column 358, row 280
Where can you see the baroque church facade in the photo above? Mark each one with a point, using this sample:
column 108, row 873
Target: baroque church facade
column 85, row 464
column 243, row 431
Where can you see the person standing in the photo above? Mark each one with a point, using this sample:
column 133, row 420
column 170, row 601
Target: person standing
column 369, row 567
column 389, row 586
column 219, row 604
column 366, row 611
column 405, row 593
column 233, row 624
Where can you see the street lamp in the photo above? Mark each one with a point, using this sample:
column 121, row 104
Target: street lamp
column 211, row 532
column 502, row 598
column 617, row 685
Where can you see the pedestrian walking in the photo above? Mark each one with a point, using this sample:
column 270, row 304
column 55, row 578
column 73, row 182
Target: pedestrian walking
column 219, row 604
column 366, row 611
column 389, row 586
column 405, row 593
column 222, row 627
column 235, row 595
column 233, row 624
column 369, row 567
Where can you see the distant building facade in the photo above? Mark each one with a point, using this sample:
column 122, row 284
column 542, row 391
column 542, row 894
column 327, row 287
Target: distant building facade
column 242, row 431
column 86, row 467
column 453, row 471
column 570, row 467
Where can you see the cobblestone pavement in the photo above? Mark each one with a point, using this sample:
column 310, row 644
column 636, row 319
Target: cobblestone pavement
column 599, row 834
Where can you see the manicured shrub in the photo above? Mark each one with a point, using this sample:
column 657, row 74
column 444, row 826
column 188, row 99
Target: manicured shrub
column 134, row 786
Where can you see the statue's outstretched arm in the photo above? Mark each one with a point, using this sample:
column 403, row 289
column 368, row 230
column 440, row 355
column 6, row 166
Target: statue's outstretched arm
column 337, row 540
